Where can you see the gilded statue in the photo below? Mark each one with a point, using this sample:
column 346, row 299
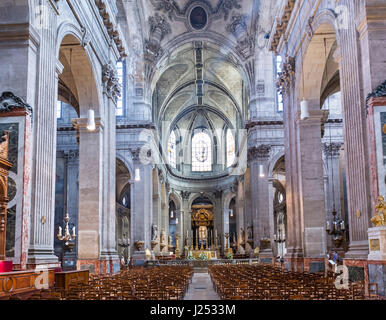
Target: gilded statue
column 379, row 218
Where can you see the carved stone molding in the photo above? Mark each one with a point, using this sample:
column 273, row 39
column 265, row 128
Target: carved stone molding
column 261, row 152
column 281, row 25
column 238, row 25
column 135, row 153
column 172, row 8
column 332, row 149
column 185, row 195
column 112, row 29
column 110, row 81
column 287, row 75
column 9, row 102
column 159, row 28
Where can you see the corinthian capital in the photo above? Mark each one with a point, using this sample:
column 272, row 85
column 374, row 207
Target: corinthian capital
column 332, row 149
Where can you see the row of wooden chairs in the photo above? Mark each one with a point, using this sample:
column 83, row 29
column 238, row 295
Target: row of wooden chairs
column 266, row 282
column 156, row 283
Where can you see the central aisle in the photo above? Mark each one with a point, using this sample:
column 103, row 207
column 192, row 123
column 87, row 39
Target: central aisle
column 201, row 288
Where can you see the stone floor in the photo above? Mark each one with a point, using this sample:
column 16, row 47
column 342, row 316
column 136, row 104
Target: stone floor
column 201, row 288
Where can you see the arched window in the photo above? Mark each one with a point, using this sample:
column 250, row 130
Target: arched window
column 172, row 150
column 201, row 152
column 58, row 109
column 280, row 102
column 231, row 148
column 121, row 99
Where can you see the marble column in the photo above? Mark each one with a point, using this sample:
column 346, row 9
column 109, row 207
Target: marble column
column 259, row 156
column 311, row 179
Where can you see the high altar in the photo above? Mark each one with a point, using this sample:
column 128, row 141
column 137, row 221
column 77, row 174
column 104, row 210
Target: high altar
column 203, row 232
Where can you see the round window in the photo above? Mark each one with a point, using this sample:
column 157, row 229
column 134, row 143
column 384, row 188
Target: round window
column 198, row 18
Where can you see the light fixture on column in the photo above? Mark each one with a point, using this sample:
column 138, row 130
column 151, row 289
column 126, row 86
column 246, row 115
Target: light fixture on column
column 261, row 171
column 231, row 213
column 68, row 238
column 172, row 214
column 137, row 175
column 176, row 220
column 91, row 120
column 304, row 110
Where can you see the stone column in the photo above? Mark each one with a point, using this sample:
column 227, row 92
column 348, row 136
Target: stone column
column 142, row 213
column 90, row 192
column 286, row 86
column 187, row 213
column 41, row 249
column 239, row 210
column 311, row 181
column 260, row 201
column 108, row 244
column 356, row 148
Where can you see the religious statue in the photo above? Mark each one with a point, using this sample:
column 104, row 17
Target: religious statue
column 379, row 218
column 154, row 232
column 250, row 232
column 162, row 236
column 242, row 236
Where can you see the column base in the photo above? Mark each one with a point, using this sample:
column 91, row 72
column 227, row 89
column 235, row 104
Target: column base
column 358, row 250
column 44, row 257
column 294, row 260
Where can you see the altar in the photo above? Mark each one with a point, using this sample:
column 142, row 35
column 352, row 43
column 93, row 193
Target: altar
column 209, row 254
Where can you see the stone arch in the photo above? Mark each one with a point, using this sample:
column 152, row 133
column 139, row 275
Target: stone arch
column 314, row 60
column 274, row 160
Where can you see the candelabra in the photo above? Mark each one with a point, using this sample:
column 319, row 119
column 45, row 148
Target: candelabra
column 125, row 242
column 338, row 229
column 67, row 238
column 279, row 238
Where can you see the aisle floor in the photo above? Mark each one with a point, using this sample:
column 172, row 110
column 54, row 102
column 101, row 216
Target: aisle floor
column 201, row 288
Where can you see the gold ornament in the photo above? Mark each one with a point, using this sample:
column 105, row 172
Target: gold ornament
column 379, row 218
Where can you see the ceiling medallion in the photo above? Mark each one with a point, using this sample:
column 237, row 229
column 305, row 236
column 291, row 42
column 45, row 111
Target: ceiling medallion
column 198, row 18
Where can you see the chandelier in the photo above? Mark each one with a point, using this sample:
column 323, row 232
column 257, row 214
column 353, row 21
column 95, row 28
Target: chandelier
column 68, row 239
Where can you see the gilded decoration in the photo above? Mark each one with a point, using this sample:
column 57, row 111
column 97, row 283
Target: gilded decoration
column 379, row 218
column 202, row 215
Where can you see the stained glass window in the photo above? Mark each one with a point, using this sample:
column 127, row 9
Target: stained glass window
column 172, row 150
column 201, row 152
column 230, row 144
